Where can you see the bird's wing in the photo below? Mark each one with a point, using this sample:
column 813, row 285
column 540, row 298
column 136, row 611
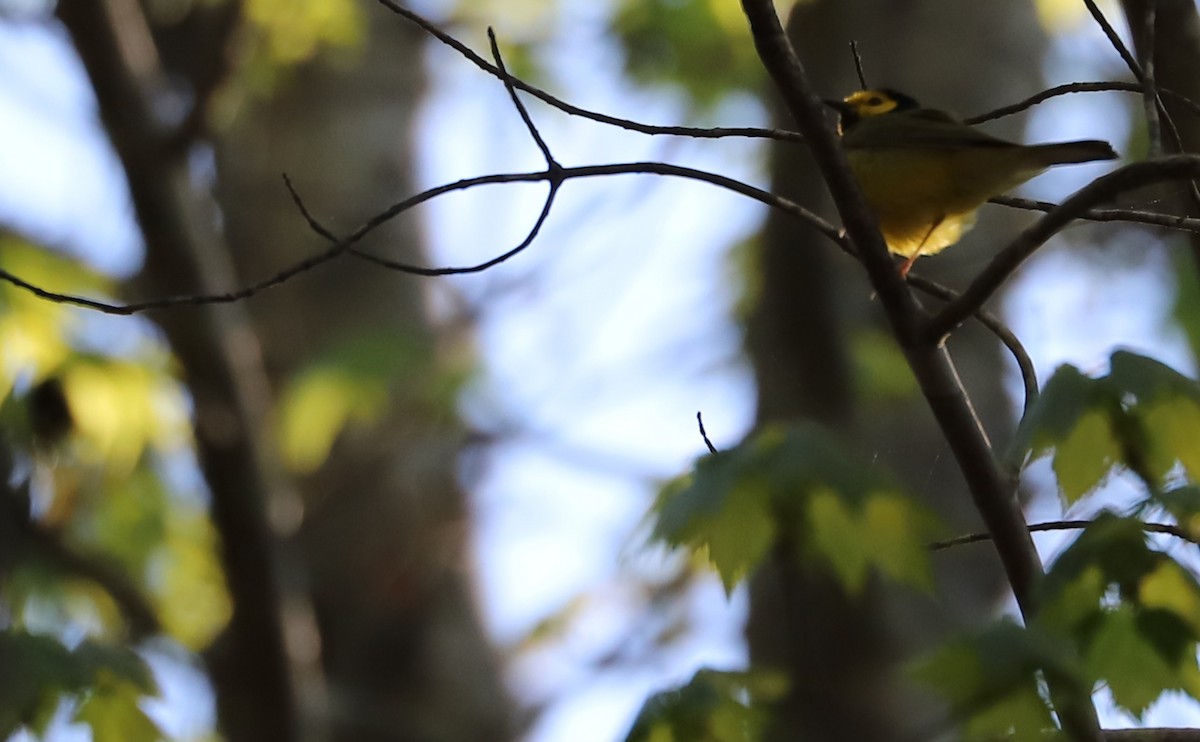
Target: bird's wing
column 924, row 128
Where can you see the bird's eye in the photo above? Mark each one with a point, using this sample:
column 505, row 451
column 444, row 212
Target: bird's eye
column 874, row 100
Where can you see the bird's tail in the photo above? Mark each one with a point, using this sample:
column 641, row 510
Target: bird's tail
column 1065, row 153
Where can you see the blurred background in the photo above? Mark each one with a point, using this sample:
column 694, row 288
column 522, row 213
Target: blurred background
column 365, row 505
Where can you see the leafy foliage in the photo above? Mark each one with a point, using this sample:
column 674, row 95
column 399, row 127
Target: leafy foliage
column 701, row 45
column 1143, row 416
column 714, row 706
column 353, row 383
column 101, row 541
column 37, row 672
column 1133, row 611
column 990, row 680
column 796, row 489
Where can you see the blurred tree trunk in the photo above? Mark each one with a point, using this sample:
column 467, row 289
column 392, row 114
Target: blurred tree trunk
column 377, row 536
column 384, row 526
column 1174, row 39
column 815, row 316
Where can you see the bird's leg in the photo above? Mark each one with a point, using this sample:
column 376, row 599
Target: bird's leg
column 908, row 264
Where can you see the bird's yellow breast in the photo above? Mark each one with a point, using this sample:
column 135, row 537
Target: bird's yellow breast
column 925, row 198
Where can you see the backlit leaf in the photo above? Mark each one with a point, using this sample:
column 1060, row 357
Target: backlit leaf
column 1136, row 673
column 714, row 706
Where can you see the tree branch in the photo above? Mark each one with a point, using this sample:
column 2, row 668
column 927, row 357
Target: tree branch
column 1131, row 216
column 217, row 349
column 1063, row 525
column 1078, row 87
column 1006, row 262
column 992, row 492
column 481, row 63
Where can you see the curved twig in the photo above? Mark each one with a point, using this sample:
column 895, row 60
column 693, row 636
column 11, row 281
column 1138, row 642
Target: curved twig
column 476, row 268
column 993, row 323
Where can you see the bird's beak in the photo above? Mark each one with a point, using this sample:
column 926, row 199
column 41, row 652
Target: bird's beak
column 838, row 105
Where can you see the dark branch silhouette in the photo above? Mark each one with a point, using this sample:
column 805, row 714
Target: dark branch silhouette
column 1006, row 262
column 1063, row 525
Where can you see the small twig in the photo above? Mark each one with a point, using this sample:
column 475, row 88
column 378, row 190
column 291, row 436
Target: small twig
column 704, row 434
column 683, row 131
column 1150, row 101
column 551, row 163
column 858, row 65
column 1145, row 87
column 1152, row 218
column 1114, row 39
column 1079, row 87
column 1063, row 525
column 1006, row 262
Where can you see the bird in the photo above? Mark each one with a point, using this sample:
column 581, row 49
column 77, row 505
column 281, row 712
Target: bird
column 925, row 173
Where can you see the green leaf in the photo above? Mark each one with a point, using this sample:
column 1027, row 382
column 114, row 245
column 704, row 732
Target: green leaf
column 353, row 383
column 889, row 533
column 36, row 670
column 714, row 706
column 1084, row 458
column 1114, row 545
column 714, row 512
column 1137, row 674
column 799, row 484
column 991, row 680
column 113, row 713
column 1172, row 588
column 702, row 46
column 1166, row 406
column 836, row 536
column 1143, row 415
column 1063, row 400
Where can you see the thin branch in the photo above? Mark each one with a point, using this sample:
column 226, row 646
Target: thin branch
column 683, row 131
column 993, row 323
column 1063, row 525
column 1079, row 87
column 1150, row 100
column 1146, row 88
column 1152, row 734
column 1115, row 40
column 551, row 163
column 704, row 434
column 1152, row 218
column 1006, row 262
column 858, row 65
column 344, row 245
column 477, row 268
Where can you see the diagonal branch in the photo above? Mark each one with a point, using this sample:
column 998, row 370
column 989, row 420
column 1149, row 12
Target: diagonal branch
column 481, row 63
column 1079, row 87
column 1131, row 216
column 1006, row 262
column 992, row 491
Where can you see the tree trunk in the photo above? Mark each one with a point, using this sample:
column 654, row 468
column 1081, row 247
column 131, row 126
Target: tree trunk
column 815, row 316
